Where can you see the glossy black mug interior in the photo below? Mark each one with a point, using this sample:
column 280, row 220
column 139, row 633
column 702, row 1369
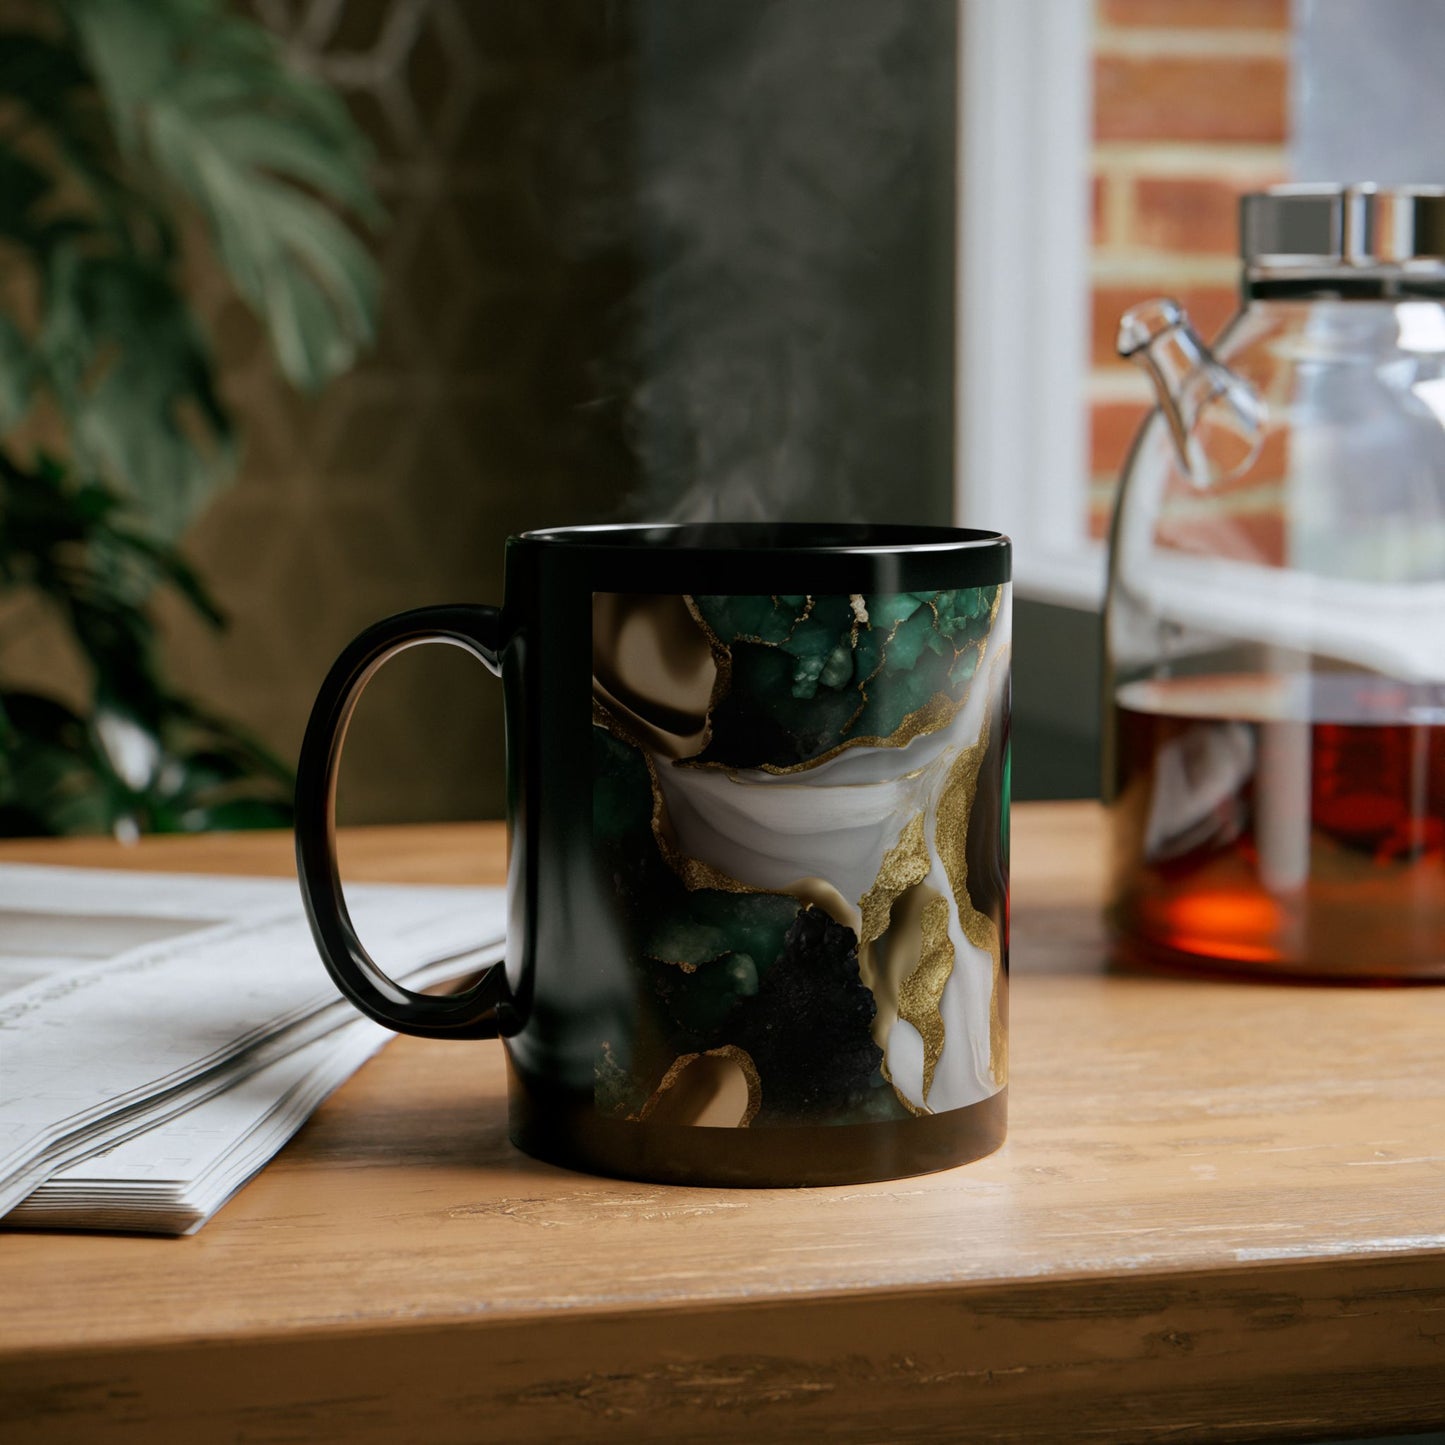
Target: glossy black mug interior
column 758, row 802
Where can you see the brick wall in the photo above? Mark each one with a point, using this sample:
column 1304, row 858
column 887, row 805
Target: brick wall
column 1190, row 110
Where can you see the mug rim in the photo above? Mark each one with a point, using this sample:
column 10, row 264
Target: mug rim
column 776, row 539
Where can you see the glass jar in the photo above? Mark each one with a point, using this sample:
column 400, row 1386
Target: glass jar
column 1275, row 623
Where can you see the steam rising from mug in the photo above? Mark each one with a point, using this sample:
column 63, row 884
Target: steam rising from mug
column 789, row 338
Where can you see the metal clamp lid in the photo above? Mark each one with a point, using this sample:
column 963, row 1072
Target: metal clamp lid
column 1328, row 227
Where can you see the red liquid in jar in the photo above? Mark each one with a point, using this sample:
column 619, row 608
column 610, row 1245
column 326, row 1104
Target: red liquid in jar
column 1289, row 826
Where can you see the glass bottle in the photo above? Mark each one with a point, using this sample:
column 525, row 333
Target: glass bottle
column 1275, row 623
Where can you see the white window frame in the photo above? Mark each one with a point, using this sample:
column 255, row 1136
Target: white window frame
column 1021, row 445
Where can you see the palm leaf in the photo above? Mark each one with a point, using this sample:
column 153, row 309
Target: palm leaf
column 54, row 95
column 114, row 115
column 17, row 372
column 265, row 153
column 134, row 377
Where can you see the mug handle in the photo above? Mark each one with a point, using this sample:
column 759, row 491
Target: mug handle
column 471, row 1014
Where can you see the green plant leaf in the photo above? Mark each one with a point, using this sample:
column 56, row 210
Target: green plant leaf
column 74, row 547
column 111, row 118
column 37, row 72
column 61, row 773
column 49, row 781
column 134, row 377
column 168, row 565
column 17, row 370
column 54, row 95
column 22, row 186
column 263, row 151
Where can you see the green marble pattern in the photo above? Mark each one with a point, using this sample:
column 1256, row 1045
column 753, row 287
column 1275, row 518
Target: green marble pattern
column 811, row 675
column 731, row 967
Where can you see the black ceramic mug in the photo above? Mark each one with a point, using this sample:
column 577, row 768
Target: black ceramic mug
column 758, row 794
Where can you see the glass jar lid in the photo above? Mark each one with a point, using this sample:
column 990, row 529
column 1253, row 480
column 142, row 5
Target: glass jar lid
column 1329, row 228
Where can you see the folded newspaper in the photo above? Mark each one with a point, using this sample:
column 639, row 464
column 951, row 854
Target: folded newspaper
column 161, row 1036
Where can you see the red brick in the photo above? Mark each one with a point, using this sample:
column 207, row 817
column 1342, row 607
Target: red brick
column 1209, row 307
column 1244, row 536
column 1188, row 214
column 1112, row 428
column 1196, row 98
column 1098, row 220
column 1197, row 14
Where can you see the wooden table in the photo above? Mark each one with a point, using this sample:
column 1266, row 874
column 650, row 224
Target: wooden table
column 1220, row 1214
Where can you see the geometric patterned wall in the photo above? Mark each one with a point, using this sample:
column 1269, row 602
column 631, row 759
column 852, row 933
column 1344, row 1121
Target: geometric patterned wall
column 476, row 417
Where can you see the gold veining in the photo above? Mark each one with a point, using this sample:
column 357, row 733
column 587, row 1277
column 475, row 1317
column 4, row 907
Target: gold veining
column 955, row 803
column 922, row 990
column 877, row 668
column 722, row 657
column 692, row 1089
column 685, row 966
column 904, row 865
column 919, row 1111
column 936, row 713
column 905, row 955
column 793, row 626
column 858, row 606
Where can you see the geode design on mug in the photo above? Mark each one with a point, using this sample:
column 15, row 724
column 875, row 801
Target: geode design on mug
column 800, row 810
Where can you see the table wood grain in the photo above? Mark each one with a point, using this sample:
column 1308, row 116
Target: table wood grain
column 1220, row 1214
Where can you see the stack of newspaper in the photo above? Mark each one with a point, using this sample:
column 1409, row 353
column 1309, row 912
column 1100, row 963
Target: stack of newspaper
column 162, row 1036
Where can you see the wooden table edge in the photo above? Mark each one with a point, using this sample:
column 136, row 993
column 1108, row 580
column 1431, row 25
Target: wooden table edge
column 1188, row 1280
column 1180, row 1350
